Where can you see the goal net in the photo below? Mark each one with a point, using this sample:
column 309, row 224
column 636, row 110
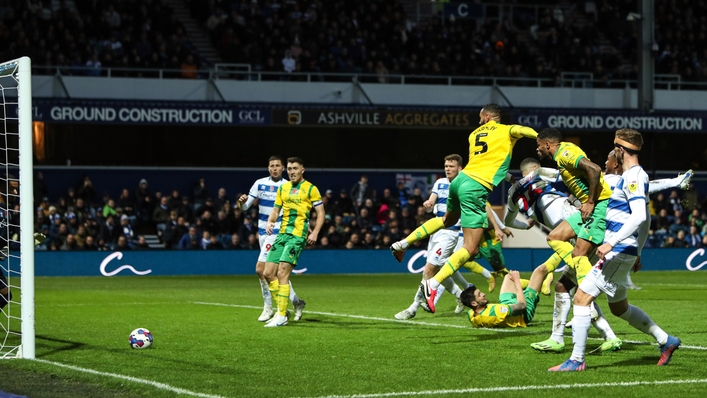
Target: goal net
column 16, row 211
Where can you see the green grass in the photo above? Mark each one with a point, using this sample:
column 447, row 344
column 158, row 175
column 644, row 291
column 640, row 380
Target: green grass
column 221, row 350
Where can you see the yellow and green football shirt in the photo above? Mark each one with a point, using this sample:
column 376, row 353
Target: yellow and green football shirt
column 296, row 201
column 567, row 157
column 490, row 149
column 496, row 316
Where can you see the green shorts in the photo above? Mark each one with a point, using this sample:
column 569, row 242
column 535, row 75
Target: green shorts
column 593, row 229
column 467, row 195
column 286, row 249
column 490, row 249
column 531, row 301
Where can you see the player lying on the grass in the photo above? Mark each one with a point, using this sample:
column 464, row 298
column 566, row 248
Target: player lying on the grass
column 489, row 249
column 516, row 307
column 627, row 229
column 264, row 190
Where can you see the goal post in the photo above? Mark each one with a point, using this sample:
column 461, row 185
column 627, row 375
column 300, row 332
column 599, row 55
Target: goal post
column 24, row 113
column 18, row 327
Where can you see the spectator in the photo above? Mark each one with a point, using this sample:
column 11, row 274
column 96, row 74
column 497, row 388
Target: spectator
column 127, row 229
column 126, row 203
column 86, row 191
column 214, row 243
column 189, row 68
column 141, row 243
column 190, row 240
column 343, row 205
column 235, row 243
column 694, row 239
column 361, row 191
column 160, row 215
column 288, row 63
column 201, row 192
column 110, row 231
column 680, row 241
column 69, row 244
column 122, row 244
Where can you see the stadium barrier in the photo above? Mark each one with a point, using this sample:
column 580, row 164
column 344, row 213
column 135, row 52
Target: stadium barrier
column 242, row 262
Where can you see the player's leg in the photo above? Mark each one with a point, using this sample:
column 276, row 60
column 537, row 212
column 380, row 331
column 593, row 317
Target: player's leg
column 266, row 242
column 637, row 318
column 418, row 300
column 428, row 228
column 588, row 238
column 559, row 238
column 611, row 342
column 283, row 295
column 607, row 279
column 562, row 306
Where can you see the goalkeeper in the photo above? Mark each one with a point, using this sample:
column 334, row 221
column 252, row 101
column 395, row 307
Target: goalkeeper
column 518, row 300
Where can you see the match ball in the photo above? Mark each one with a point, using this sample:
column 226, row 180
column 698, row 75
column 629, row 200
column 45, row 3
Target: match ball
column 140, row 338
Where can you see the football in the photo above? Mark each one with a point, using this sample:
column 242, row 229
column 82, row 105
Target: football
column 140, row 338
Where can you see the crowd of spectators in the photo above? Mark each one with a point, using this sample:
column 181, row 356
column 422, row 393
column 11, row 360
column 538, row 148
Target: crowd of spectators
column 357, row 218
column 678, row 219
column 84, row 37
column 376, row 37
column 373, row 37
column 81, row 220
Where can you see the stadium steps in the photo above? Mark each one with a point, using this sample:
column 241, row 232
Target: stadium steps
column 196, row 34
column 153, row 241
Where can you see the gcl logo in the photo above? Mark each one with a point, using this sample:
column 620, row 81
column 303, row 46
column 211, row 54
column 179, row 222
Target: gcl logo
column 251, row 116
column 529, row 120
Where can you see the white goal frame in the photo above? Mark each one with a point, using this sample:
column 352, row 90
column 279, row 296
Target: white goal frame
column 21, row 70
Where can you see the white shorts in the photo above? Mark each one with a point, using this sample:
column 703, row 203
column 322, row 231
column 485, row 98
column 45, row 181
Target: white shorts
column 266, row 242
column 611, row 277
column 442, row 244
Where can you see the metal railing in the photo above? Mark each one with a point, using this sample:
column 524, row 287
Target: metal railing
column 240, row 72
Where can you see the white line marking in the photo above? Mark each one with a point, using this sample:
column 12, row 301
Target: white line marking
column 155, row 384
column 446, row 325
column 520, row 388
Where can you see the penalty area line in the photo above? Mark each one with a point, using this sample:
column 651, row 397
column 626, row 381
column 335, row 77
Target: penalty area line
column 521, row 388
column 161, row 386
column 446, row 325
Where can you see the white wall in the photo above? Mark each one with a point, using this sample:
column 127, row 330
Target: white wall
column 349, row 94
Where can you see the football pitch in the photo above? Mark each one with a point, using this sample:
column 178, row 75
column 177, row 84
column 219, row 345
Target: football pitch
column 209, row 344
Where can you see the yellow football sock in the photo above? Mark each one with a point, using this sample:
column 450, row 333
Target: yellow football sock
column 428, row 228
column 564, row 250
column 582, row 267
column 552, row 263
column 274, row 287
column 524, row 283
column 283, row 299
column 474, row 267
column 455, row 262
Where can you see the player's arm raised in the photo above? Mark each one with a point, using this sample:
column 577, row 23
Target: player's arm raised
column 593, row 173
